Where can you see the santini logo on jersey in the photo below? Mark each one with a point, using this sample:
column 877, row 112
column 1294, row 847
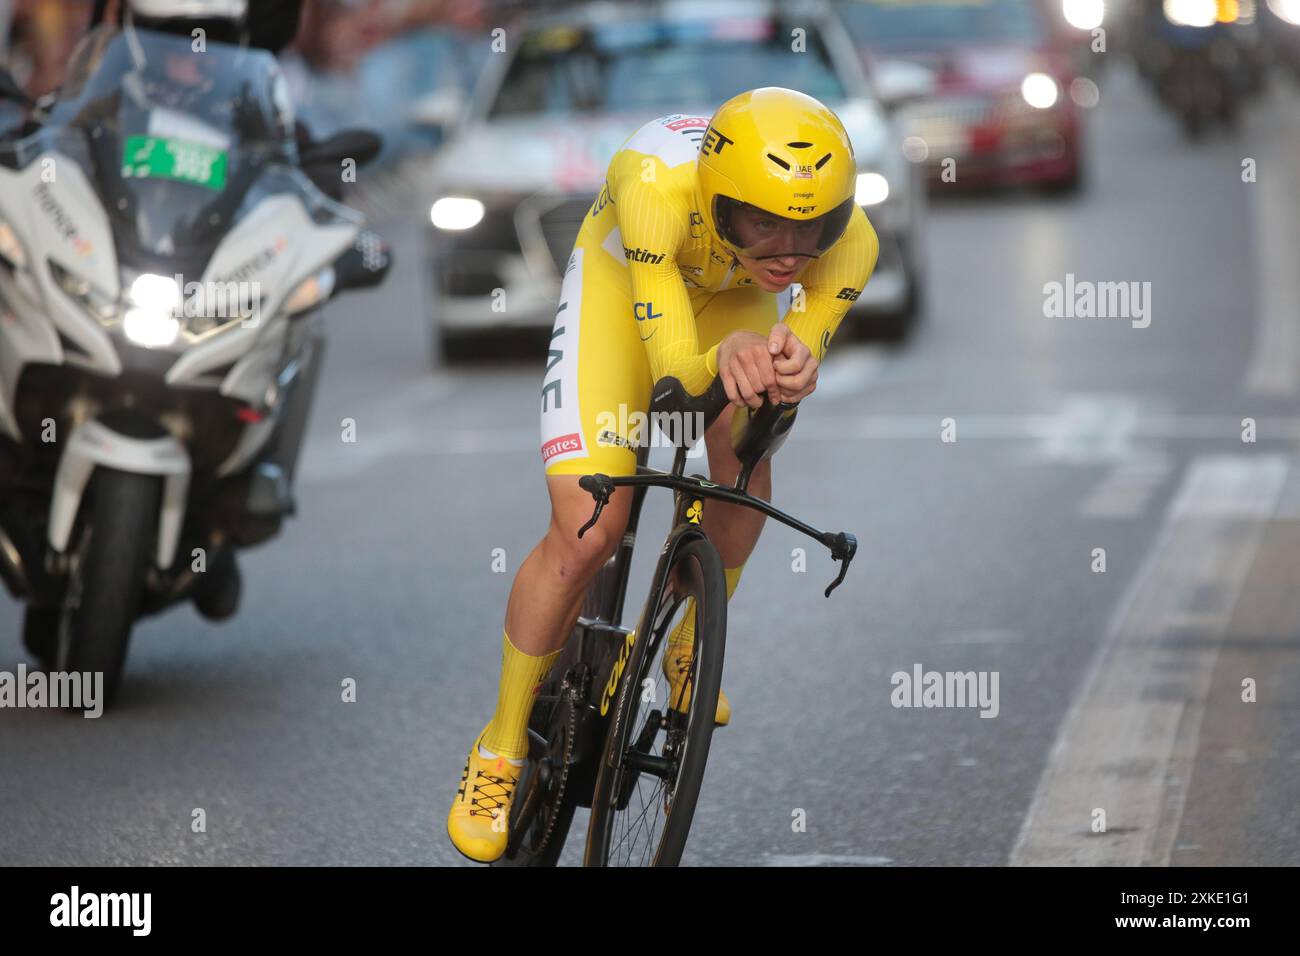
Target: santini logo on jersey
column 642, row 255
column 848, row 292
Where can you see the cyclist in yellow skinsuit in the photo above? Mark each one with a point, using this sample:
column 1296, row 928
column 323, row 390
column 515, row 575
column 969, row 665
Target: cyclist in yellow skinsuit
column 676, row 298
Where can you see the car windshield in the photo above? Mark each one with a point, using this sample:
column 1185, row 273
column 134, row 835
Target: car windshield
column 661, row 64
column 930, row 24
column 172, row 138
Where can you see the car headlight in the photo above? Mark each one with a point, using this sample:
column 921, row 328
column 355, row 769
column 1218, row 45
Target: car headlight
column 1084, row 14
column 871, row 190
column 1192, row 13
column 151, row 319
column 456, row 213
column 11, row 250
column 1288, row 10
column 1039, row 90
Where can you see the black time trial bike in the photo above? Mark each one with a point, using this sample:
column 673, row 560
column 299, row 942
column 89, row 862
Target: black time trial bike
column 605, row 731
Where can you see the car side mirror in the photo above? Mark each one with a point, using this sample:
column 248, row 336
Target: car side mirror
column 899, row 82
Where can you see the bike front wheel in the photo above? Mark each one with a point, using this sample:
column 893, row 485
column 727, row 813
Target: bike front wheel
column 652, row 764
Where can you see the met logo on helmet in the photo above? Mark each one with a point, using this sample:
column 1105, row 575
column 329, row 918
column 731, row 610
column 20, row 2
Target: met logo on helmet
column 714, row 142
column 802, row 209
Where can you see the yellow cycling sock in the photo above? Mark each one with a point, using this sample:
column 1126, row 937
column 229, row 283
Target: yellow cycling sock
column 521, row 676
column 684, row 633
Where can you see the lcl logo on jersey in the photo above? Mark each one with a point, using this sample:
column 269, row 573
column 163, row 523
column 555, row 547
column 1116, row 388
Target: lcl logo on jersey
column 714, row 142
column 645, row 310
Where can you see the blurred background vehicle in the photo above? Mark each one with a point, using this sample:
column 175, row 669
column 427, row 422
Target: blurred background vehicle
column 517, row 177
column 1202, row 58
column 1004, row 109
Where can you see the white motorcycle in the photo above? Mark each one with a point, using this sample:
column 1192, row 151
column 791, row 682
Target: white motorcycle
column 163, row 259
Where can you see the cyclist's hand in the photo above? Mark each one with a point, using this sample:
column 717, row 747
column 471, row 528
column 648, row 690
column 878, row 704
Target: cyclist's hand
column 745, row 367
column 795, row 367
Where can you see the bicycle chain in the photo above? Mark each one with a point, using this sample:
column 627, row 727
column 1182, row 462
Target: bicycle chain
column 570, row 700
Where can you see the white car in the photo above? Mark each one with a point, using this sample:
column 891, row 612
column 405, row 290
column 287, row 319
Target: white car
column 521, row 170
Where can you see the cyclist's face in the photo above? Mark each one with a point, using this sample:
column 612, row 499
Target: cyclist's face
column 760, row 231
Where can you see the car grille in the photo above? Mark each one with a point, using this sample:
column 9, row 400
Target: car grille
column 944, row 124
column 955, row 113
column 496, row 233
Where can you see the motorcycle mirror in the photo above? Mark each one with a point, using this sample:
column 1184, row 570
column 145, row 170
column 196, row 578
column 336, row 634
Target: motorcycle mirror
column 364, row 265
column 355, row 144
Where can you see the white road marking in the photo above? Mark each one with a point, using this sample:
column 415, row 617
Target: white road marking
column 1275, row 355
column 1127, row 744
column 392, row 434
column 1129, row 487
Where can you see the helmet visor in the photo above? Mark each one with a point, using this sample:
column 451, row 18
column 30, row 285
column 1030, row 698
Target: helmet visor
column 759, row 234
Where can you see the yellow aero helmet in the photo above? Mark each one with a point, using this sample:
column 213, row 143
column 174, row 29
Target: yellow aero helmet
column 776, row 174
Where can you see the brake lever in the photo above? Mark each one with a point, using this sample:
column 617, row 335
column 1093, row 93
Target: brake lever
column 599, row 487
column 843, row 547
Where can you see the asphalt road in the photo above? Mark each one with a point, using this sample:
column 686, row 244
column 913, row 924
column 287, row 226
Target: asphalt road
column 1119, row 691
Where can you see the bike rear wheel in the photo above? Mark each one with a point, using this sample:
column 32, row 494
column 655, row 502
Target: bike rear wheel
column 652, row 765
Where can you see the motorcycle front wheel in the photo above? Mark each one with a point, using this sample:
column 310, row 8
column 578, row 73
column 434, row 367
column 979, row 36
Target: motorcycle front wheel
column 107, row 578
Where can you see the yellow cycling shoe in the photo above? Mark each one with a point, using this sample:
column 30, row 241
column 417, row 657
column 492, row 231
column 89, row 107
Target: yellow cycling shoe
column 677, row 662
column 478, row 817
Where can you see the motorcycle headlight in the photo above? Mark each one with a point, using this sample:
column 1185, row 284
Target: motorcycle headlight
column 456, row 213
column 11, row 250
column 871, row 190
column 151, row 318
column 1039, row 91
column 1191, row 13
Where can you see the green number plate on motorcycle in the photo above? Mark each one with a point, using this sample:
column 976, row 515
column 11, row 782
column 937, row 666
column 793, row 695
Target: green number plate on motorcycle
column 153, row 157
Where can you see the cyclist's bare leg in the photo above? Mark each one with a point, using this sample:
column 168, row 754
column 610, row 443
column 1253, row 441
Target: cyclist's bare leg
column 548, row 589
column 733, row 529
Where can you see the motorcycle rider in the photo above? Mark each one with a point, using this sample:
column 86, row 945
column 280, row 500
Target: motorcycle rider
column 268, row 25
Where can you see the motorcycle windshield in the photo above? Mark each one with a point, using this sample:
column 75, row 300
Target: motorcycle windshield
column 174, row 138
